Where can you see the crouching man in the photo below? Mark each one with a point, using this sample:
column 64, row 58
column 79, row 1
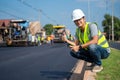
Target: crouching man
column 90, row 44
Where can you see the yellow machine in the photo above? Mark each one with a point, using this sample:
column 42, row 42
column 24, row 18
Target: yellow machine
column 57, row 32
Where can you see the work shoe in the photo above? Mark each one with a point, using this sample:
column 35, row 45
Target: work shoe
column 90, row 64
column 97, row 68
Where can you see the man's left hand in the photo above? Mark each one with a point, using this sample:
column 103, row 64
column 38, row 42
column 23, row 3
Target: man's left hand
column 75, row 48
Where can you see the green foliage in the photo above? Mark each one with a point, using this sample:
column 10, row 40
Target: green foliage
column 48, row 28
column 107, row 23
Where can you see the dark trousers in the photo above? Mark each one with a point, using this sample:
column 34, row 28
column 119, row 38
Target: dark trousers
column 93, row 54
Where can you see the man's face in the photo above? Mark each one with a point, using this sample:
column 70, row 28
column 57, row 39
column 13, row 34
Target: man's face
column 80, row 22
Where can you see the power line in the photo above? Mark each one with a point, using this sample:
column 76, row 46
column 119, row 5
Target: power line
column 15, row 16
column 38, row 10
column 28, row 5
column 10, row 14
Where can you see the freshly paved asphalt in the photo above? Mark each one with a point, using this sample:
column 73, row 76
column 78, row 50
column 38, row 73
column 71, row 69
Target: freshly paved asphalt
column 43, row 62
column 115, row 45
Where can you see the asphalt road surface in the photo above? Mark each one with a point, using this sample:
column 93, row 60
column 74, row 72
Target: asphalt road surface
column 115, row 45
column 43, row 62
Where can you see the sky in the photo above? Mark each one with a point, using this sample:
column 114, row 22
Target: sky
column 58, row 11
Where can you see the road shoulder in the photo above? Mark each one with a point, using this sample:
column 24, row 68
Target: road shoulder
column 80, row 72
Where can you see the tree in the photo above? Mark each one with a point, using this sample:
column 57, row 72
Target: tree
column 107, row 23
column 48, row 28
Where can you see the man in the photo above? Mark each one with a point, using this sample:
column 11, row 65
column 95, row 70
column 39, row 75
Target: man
column 51, row 39
column 39, row 40
column 90, row 44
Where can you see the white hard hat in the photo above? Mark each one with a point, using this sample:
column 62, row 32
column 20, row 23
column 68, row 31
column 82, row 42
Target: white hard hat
column 77, row 14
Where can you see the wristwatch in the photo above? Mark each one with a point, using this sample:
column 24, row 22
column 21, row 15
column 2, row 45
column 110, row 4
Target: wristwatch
column 80, row 47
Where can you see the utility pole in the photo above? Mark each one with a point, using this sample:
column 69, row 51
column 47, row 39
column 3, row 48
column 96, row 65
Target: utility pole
column 88, row 10
column 109, row 32
column 112, row 20
column 39, row 13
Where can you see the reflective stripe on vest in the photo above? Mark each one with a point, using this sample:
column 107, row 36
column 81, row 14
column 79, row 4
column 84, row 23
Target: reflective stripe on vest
column 101, row 41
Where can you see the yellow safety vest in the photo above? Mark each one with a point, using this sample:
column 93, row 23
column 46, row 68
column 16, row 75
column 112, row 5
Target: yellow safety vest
column 38, row 38
column 101, row 41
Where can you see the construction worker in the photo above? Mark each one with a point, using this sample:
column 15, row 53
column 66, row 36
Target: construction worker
column 90, row 44
column 51, row 39
column 48, row 39
column 70, row 37
column 39, row 40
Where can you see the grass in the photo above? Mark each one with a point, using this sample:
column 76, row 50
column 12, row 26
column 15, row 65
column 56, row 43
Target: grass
column 111, row 66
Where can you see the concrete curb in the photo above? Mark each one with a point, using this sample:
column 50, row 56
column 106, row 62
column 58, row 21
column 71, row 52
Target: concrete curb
column 89, row 75
column 77, row 71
